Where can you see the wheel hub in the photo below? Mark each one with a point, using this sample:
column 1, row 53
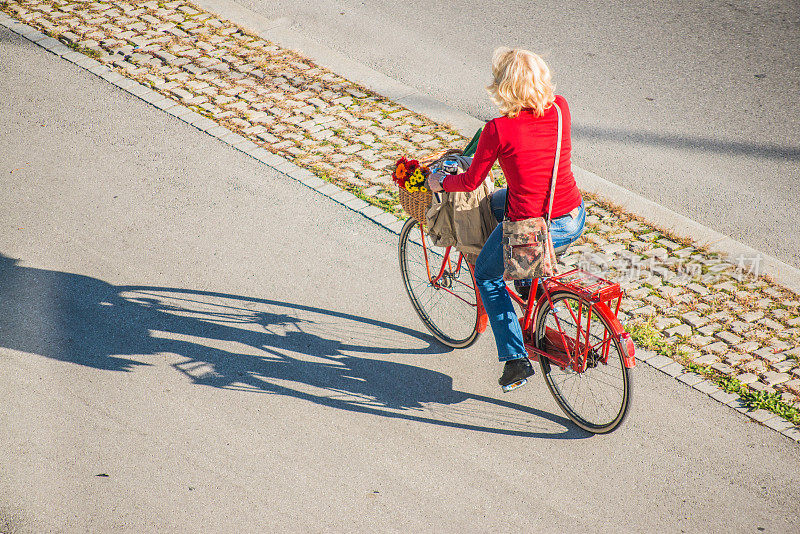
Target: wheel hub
column 447, row 280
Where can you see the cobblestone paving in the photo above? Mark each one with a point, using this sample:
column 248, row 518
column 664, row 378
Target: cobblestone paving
column 715, row 317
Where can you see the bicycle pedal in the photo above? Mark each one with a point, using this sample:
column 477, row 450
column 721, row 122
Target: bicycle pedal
column 514, row 385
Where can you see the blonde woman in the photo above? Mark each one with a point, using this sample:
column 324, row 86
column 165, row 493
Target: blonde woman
column 523, row 140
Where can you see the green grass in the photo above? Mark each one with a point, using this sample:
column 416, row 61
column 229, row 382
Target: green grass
column 649, row 337
column 85, row 51
column 754, row 400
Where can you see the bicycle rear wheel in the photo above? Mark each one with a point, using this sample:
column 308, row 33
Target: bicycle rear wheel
column 448, row 307
column 597, row 400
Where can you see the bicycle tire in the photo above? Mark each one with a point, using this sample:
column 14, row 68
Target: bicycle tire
column 449, row 319
column 581, row 395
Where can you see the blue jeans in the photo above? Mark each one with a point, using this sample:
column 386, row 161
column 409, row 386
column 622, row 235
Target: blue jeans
column 489, row 277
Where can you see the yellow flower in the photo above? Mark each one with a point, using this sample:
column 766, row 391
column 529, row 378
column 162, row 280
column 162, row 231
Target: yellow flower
column 416, row 178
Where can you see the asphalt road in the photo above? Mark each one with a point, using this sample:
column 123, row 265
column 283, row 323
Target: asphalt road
column 190, row 341
column 694, row 105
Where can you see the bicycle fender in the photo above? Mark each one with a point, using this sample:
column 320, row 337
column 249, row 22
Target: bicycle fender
column 625, row 340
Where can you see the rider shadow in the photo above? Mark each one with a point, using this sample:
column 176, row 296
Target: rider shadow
column 250, row 344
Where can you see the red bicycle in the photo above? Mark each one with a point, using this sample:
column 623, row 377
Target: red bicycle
column 584, row 352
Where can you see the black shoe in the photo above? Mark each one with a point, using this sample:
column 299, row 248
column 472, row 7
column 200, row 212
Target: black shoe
column 515, row 374
column 523, row 288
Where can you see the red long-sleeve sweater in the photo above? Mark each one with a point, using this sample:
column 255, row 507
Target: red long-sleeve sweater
column 526, row 149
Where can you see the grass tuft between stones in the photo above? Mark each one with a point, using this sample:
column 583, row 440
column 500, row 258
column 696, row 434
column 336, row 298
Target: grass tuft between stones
column 94, row 54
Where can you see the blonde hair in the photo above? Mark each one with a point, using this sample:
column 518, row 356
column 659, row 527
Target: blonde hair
column 521, row 80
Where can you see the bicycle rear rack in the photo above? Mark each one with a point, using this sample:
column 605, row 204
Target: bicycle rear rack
column 565, row 351
column 590, row 287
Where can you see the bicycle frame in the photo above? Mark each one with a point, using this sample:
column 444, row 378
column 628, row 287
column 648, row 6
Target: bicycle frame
column 595, row 296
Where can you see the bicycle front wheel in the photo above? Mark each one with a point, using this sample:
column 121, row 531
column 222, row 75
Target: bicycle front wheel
column 597, row 400
column 447, row 304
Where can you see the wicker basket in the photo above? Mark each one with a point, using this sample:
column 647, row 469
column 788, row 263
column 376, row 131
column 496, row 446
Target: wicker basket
column 416, row 203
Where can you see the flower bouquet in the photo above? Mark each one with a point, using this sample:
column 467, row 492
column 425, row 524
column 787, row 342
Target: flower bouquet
column 415, row 197
column 410, row 175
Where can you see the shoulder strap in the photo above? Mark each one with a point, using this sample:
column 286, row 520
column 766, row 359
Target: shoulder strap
column 555, row 169
column 555, row 165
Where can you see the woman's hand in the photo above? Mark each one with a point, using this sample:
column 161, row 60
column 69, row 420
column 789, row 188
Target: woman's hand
column 435, row 181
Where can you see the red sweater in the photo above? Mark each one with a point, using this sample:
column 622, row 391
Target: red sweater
column 526, row 148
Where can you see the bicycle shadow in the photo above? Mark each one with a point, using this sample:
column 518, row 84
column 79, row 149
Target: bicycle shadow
column 250, row 344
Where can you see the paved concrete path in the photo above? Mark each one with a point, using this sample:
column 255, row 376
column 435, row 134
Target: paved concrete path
column 192, row 341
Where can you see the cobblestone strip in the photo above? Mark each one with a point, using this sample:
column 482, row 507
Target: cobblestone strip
column 716, row 325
